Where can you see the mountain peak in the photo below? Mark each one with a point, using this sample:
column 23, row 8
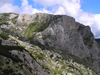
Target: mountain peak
column 52, row 39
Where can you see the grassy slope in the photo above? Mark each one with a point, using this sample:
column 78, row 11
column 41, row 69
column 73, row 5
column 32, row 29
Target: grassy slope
column 56, row 64
column 37, row 26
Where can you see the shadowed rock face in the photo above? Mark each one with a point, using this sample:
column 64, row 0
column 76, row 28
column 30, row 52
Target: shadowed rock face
column 67, row 35
column 60, row 32
column 98, row 41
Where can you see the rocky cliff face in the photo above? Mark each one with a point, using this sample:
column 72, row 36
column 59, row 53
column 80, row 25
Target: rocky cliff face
column 15, row 60
column 58, row 44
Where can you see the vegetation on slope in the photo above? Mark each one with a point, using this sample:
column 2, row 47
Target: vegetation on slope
column 4, row 36
column 14, row 19
column 5, row 51
column 11, row 64
column 4, row 17
column 53, row 62
column 10, row 67
column 35, row 27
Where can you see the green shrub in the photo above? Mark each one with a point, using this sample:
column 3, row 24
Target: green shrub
column 6, row 23
column 7, row 71
column 35, row 27
column 4, row 17
column 4, row 50
column 23, row 19
column 5, row 14
column 4, row 36
column 14, row 19
column 39, row 56
column 7, row 62
column 51, row 56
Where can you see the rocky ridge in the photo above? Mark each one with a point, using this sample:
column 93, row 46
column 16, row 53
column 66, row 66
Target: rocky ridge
column 57, row 43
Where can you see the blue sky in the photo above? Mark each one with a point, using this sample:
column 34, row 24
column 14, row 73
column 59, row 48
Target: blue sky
column 86, row 5
column 84, row 11
column 91, row 6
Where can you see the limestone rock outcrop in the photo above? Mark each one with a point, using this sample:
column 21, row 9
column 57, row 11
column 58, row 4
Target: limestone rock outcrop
column 61, row 33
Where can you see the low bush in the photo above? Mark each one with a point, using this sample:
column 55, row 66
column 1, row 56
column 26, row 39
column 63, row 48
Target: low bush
column 4, row 36
column 4, row 50
column 6, row 23
column 14, row 19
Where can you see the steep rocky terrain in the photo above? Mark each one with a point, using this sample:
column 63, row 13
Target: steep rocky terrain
column 46, row 44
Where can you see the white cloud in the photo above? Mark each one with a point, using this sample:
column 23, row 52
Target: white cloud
column 46, row 2
column 59, row 10
column 6, row 6
column 24, row 3
column 69, row 7
column 96, row 25
column 35, row 11
column 26, row 8
column 2, row 2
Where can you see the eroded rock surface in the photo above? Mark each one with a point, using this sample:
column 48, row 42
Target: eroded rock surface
column 60, row 32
